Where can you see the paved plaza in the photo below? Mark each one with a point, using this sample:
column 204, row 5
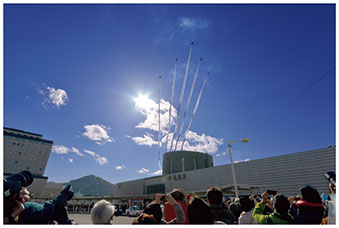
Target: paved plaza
column 86, row 219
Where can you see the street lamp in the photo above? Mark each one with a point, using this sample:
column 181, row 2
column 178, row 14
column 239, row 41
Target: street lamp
column 245, row 140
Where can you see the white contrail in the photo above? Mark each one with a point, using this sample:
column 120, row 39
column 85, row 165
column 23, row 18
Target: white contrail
column 170, row 110
column 159, row 124
column 194, row 111
column 187, row 104
column 182, row 93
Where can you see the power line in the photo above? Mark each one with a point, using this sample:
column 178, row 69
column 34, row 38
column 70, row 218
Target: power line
column 292, row 100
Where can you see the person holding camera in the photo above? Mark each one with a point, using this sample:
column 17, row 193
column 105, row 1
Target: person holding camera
column 152, row 213
column 179, row 195
column 280, row 215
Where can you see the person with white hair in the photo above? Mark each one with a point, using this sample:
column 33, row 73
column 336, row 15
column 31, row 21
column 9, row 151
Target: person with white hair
column 102, row 212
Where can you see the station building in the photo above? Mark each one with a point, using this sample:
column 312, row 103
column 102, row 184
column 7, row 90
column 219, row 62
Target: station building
column 27, row 151
column 194, row 172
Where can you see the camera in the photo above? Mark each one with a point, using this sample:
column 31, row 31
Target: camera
column 272, row 192
column 14, row 183
column 163, row 198
column 330, row 176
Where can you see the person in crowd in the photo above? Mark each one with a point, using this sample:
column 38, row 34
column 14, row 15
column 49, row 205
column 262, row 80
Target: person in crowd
column 280, row 215
column 179, row 195
column 152, row 213
column 246, row 205
column 309, row 209
column 200, row 213
column 235, row 209
column 102, row 212
column 219, row 210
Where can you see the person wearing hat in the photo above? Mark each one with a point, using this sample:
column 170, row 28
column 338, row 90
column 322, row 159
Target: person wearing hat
column 102, row 212
column 309, row 209
column 280, row 215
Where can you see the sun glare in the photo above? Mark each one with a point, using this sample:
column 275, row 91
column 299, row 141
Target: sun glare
column 142, row 101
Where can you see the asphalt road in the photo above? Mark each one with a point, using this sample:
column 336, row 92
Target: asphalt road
column 86, row 219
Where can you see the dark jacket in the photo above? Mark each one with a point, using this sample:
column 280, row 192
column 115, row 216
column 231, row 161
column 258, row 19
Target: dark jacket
column 221, row 213
column 309, row 213
column 36, row 213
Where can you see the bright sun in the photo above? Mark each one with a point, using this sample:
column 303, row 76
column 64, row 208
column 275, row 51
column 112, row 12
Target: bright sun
column 142, row 101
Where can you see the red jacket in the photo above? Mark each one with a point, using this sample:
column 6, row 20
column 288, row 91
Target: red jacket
column 170, row 213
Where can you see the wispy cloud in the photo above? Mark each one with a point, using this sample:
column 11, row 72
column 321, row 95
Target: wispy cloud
column 97, row 157
column 70, row 160
column 185, row 26
column 194, row 141
column 143, row 170
column 220, row 154
column 193, row 24
column 202, row 143
column 120, row 167
column 150, row 110
column 97, row 133
column 146, row 140
column 57, row 97
column 60, row 149
column 158, row 172
column 245, row 160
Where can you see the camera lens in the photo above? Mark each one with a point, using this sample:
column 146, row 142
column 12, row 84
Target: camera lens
column 24, row 177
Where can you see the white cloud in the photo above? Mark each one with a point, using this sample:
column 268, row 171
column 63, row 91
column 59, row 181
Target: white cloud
column 186, row 23
column 202, row 143
column 194, row 142
column 221, row 154
column 159, row 172
column 60, row 149
column 245, row 160
column 70, row 160
column 150, row 109
column 146, row 140
column 90, row 152
column 101, row 160
column 57, row 97
column 75, row 150
column 143, row 170
column 120, row 167
column 97, row 157
column 97, row 133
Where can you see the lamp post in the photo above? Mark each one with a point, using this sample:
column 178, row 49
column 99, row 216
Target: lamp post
column 245, row 140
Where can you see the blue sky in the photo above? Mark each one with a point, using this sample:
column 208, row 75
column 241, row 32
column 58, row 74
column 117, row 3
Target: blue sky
column 73, row 72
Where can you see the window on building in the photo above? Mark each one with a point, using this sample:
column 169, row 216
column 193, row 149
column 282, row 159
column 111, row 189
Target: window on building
column 182, row 164
column 195, row 163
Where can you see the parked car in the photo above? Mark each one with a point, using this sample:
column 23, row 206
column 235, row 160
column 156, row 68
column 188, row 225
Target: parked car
column 133, row 211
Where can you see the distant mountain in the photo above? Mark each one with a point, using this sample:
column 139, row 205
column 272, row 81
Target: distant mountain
column 91, row 186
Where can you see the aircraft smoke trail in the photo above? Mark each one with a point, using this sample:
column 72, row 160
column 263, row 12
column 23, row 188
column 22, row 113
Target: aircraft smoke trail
column 187, row 105
column 159, row 124
column 182, row 93
column 194, row 111
column 170, row 110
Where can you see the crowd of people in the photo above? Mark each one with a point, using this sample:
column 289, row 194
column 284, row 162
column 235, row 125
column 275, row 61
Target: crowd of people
column 177, row 207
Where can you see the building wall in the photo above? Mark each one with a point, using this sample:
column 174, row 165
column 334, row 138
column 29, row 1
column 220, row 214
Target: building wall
column 286, row 173
column 51, row 190
column 25, row 151
column 179, row 161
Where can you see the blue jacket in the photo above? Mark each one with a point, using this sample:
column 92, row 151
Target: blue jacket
column 36, row 213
